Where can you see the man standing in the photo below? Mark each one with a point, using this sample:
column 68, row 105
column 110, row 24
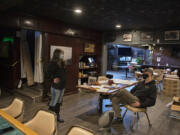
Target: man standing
column 142, row 95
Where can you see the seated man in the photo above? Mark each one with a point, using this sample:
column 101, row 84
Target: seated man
column 142, row 95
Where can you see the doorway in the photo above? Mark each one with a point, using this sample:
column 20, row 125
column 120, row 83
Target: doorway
column 123, row 60
column 9, row 59
column 31, row 49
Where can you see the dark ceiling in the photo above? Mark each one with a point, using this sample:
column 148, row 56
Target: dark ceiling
column 102, row 15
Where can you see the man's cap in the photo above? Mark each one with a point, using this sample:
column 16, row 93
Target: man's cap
column 148, row 70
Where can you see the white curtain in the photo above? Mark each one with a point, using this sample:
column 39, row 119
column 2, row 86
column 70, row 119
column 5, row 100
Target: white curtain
column 22, row 42
column 26, row 66
column 38, row 65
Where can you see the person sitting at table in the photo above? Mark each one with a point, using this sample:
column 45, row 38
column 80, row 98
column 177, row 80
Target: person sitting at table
column 142, row 95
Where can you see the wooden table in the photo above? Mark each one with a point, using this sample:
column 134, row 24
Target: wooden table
column 107, row 94
column 13, row 126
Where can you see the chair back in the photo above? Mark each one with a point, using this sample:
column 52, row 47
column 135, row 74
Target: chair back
column 44, row 123
column 15, row 109
column 79, row 131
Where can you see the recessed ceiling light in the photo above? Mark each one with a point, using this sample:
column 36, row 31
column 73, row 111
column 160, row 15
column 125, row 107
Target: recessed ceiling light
column 118, row 26
column 78, row 11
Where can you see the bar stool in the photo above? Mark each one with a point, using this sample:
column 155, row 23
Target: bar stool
column 136, row 111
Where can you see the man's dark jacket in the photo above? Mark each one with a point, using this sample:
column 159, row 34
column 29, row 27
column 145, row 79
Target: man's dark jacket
column 55, row 71
column 146, row 93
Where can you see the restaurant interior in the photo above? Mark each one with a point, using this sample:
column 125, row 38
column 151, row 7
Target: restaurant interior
column 106, row 50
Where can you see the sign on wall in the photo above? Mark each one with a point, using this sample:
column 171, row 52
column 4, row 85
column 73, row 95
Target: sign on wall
column 67, row 51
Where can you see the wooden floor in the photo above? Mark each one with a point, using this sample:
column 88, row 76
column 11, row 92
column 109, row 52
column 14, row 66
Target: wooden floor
column 81, row 109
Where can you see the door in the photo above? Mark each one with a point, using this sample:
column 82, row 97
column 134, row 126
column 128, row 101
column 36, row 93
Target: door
column 9, row 62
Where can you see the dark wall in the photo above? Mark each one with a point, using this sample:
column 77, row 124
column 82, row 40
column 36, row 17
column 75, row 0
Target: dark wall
column 167, row 56
column 26, row 21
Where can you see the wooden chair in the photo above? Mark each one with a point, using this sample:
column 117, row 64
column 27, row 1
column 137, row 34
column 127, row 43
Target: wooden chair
column 43, row 123
column 15, row 109
column 136, row 111
column 79, row 130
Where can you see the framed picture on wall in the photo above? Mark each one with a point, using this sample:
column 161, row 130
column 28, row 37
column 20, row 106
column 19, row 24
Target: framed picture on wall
column 146, row 36
column 127, row 37
column 89, row 48
column 172, row 35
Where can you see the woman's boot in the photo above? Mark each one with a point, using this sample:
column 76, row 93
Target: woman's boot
column 52, row 108
column 57, row 110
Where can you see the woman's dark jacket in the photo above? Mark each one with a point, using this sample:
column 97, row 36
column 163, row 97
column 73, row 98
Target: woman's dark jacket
column 55, row 71
column 146, row 92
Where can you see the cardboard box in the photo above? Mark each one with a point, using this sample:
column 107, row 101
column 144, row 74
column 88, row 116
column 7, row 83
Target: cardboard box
column 176, row 104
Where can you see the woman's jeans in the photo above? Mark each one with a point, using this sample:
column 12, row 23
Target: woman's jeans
column 56, row 96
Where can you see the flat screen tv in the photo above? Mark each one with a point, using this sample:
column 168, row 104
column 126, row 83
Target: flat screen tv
column 124, row 52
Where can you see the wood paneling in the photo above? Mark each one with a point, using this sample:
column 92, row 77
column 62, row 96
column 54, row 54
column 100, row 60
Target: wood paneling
column 26, row 21
column 166, row 56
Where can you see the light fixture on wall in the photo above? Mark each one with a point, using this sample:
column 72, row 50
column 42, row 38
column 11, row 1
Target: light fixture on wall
column 158, row 41
column 69, row 32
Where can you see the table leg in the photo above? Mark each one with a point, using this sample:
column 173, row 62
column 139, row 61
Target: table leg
column 100, row 103
column 126, row 72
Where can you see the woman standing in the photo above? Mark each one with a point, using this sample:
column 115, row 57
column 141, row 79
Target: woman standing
column 57, row 75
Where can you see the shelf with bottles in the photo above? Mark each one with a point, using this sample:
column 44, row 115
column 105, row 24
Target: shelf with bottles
column 86, row 74
column 82, row 75
column 87, row 67
column 87, row 62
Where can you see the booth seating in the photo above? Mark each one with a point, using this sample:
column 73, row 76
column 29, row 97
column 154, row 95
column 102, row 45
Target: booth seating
column 136, row 111
column 78, row 130
column 43, row 123
column 15, row 109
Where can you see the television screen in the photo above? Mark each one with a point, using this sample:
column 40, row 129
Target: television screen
column 124, row 51
column 91, row 60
